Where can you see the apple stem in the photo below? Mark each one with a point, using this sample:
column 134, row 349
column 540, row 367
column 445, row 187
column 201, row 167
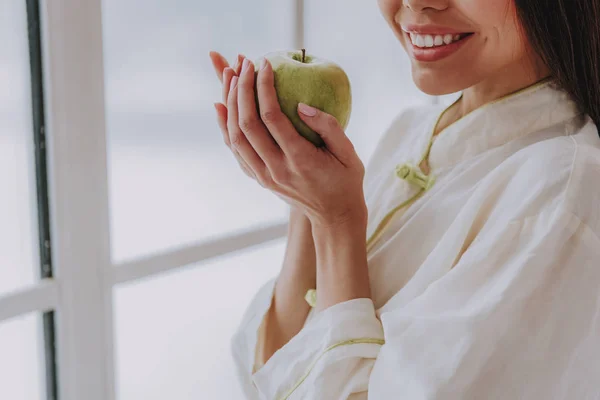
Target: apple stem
column 303, row 55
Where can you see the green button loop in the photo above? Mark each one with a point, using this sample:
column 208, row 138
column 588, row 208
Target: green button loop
column 311, row 297
column 413, row 175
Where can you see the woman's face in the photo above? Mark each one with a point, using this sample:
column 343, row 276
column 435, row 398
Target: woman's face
column 489, row 44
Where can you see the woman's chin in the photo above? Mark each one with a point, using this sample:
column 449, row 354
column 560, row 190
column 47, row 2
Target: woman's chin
column 434, row 88
column 436, row 85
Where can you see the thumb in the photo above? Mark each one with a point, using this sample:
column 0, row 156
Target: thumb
column 328, row 127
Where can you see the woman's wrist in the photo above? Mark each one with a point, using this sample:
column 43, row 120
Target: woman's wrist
column 341, row 253
column 288, row 312
column 297, row 215
column 299, row 267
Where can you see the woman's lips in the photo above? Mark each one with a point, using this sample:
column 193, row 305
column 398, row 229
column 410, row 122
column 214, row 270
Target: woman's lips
column 437, row 52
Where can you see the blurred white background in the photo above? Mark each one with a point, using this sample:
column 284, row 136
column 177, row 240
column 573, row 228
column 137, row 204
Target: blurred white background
column 172, row 181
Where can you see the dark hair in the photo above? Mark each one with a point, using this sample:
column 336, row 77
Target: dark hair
column 566, row 35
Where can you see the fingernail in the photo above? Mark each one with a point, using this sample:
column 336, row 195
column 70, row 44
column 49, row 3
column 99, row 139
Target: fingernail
column 263, row 63
column 233, row 83
column 245, row 65
column 237, row 62
column 307, row 110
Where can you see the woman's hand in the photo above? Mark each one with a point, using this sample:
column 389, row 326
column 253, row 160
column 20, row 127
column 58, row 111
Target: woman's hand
column 326, row 183
column 225, row 73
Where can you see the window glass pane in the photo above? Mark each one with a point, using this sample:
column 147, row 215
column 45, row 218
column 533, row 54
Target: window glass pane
column 173, row 332
column 18, row 221
column 172, row 179
column 21, row 359
column 355, row 35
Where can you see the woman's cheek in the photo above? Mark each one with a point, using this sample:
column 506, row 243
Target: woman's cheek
column 497, row 23
column 391, row 11
column 389, row 8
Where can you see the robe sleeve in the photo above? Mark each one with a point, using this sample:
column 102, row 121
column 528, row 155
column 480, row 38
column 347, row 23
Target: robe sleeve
column 517, row 317
column 247, row 340
column 330, row 358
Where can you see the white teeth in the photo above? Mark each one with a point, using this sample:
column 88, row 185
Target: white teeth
column 433, row 40
column 420, row 42
column 428, row 41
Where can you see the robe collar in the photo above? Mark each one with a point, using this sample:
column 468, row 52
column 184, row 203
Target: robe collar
column 494, row 124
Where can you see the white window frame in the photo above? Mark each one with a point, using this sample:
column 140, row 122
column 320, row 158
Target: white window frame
column 84, row 277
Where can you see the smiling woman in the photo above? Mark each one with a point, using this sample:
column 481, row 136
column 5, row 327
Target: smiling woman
column 139, row 183
column 455, row 257
column 467, row 241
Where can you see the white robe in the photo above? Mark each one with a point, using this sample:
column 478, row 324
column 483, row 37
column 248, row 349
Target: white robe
column 486, row 286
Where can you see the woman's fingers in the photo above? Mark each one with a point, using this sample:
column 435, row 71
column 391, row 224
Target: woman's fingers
column 228, row 74
column 328, row 127
column 275, row 120
column 227, row 117
column 238, row 140
column 219, row 63
column 250, row 123
column 237, row 68
column 222, row 120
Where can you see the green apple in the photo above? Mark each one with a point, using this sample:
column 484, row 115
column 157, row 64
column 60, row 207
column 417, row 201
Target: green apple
column 303, row 78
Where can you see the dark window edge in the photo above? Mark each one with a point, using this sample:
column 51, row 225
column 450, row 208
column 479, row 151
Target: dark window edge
column 43, row 214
